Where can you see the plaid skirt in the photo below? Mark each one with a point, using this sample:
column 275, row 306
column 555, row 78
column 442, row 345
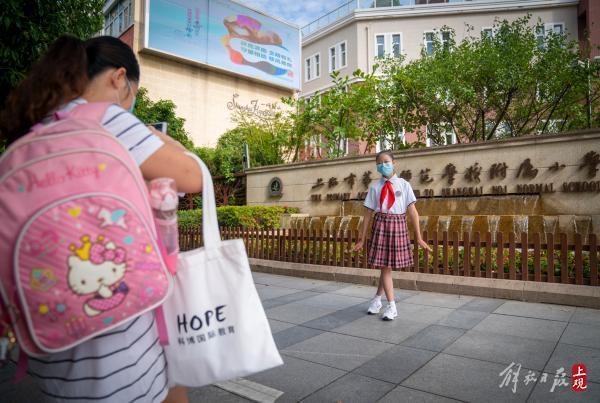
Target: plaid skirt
column 389, row 245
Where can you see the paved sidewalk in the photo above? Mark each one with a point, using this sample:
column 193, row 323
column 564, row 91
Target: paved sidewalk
column 441, row 348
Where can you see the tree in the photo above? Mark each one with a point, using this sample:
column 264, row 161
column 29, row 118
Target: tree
column 162, row 110
column 509, row 84
column 28, row 27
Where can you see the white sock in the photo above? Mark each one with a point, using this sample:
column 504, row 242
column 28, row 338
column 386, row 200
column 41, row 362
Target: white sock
column 377, row 298
column 392, row 303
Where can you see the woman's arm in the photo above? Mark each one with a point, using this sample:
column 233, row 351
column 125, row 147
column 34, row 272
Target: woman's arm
column 413, row 215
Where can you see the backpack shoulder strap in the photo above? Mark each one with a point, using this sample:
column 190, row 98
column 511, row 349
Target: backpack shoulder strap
column 92, row 111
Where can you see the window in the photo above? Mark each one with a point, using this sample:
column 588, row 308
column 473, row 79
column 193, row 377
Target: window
column 312, row 67
column 543, row 31
column 391, row 142
column 430, row 36
column 380, row 43
column 429, row 42
column 119, row 18
column 445, row 40
column 338, row 56
column 343, row 54
column 388, row 45
column 487, row 32
column 438, row 136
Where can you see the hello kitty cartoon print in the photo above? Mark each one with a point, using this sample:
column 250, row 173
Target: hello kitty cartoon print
column 79, row 253
column 98, row 268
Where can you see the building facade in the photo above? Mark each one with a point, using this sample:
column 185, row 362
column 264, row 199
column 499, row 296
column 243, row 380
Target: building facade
column 353, row 36
column 205, row 97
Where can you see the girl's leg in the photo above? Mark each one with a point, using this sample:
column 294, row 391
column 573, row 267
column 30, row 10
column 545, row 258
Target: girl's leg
column 380, row 286
column 177, row 394
column 385, row 281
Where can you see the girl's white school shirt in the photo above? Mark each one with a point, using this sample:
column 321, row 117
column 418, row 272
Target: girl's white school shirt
column 402, row 190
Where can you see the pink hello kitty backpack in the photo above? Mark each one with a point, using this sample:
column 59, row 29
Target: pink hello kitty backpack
column 78, row 244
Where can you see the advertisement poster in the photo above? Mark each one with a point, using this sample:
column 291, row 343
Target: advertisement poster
column 226, row 35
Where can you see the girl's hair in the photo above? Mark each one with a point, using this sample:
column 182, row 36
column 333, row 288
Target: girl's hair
column 384, row 152
column 61, row 75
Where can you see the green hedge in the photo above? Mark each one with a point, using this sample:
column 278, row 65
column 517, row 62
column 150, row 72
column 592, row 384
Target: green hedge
column 240, row 216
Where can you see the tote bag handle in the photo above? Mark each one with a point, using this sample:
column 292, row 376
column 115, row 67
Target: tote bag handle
column 210, row 225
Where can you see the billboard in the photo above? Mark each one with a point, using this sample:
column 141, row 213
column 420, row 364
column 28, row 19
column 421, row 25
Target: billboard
column 226, row 35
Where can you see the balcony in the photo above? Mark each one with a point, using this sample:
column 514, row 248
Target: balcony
column 364, row 5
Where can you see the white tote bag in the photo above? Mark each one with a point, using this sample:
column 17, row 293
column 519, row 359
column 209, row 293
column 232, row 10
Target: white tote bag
column 216, row 324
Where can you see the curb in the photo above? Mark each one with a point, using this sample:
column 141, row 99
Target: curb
column 529, row 291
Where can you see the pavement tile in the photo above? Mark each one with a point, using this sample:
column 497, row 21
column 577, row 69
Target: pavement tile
column 587, row 316
column 337, row 350
column 352, row 388
column 272, row 291
column 331, row 287
column 301, row 283
column 466, row 379
column 213, row 394
column 403, row 394
column 286, row 299
column 566, row 355
column 536, row 310
column 434, row 338
column 396, row 364
column 437, row 299
column 296, row 313
column 422, row 313
column 542, row 394
column 539, row 329
column 297, row 378
column 368, row 292
column 333, row 301
column 582, row 335
column 339, row 318
column 372, row 327
column 483, row 304
column 293, row 335
column 278, row 326
column 463, row 319
column 503, row 349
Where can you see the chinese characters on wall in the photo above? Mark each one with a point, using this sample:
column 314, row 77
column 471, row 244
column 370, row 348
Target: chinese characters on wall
column 497, row 171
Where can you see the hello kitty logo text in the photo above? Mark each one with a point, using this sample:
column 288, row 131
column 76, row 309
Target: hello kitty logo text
column 71, row 172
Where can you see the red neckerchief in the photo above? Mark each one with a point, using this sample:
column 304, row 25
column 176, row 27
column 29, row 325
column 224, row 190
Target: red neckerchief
column 387, row 192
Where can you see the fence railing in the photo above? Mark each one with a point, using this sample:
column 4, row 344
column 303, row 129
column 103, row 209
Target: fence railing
column 520, row 257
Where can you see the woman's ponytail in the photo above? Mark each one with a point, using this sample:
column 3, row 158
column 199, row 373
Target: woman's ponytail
column 59, row 76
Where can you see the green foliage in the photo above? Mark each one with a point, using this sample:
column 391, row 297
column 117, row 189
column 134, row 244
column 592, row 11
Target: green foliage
column 28, row 27
column 239, row 216
column 149, row 111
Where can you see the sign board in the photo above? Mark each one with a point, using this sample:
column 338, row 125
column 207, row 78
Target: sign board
column 226, row 35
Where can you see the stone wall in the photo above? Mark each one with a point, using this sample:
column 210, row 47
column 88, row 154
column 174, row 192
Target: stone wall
column 560, row 170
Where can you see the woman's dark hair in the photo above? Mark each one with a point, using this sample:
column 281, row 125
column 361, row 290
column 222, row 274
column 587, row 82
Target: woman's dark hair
column 384, row 152
column 61, row 75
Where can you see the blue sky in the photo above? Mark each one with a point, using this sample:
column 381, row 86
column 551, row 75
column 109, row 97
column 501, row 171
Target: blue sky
column 300, row 12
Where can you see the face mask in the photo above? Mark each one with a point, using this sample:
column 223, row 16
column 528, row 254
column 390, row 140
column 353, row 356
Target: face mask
column 130, row 110
column 386, row 169
column 132, row 105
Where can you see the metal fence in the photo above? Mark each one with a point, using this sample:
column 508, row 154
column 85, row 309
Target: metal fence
column 520, row 257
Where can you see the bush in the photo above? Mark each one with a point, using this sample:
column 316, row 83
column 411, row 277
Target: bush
column 240, row 216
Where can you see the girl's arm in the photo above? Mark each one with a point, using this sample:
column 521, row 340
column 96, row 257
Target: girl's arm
column 170, row 161
column 365, row 227
column 413, row 215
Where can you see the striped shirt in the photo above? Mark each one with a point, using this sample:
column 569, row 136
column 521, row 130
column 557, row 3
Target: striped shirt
column 126, row 364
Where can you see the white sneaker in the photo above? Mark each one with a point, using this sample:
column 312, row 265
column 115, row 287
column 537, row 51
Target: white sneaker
column 390, row 313
column 375, row 306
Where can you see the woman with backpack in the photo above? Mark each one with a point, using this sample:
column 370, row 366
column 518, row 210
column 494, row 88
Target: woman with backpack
column 126, row 363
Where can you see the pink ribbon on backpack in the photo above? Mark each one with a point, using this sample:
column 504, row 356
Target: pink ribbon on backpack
column 100, row 254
